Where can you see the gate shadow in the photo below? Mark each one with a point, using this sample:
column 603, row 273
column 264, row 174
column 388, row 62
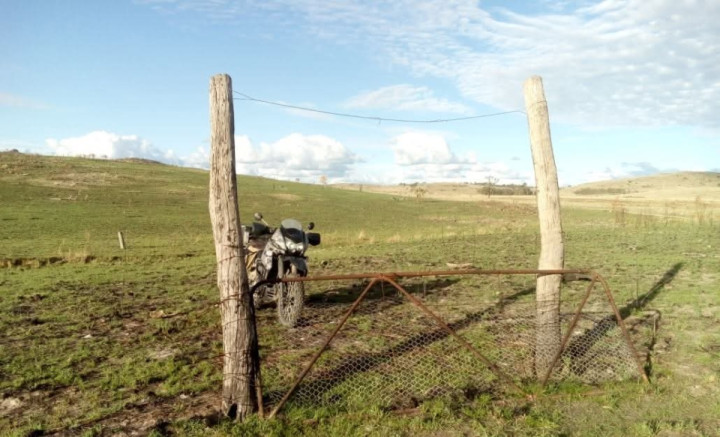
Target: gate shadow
column 325, row 381
column 581, row 345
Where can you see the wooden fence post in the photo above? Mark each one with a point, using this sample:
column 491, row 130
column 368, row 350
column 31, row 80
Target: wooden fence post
column 121, row 240
column 547, row 341
column 240, row 346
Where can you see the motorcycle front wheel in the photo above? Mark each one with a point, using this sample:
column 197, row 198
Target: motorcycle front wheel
column 290, row 301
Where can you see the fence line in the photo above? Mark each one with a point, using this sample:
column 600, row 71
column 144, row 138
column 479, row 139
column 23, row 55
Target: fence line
column 430, row 340
column 245, row 97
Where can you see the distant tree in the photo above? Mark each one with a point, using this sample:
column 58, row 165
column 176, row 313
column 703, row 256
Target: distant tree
column 492, row 182
column 323, row 180
column 418, row 191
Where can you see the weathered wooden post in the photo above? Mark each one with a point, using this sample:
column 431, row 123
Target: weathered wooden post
column 547, row 340
column 121, row 240
column 240, row 346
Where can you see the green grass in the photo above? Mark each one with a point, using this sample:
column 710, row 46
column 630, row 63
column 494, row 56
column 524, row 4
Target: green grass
column 83, row 351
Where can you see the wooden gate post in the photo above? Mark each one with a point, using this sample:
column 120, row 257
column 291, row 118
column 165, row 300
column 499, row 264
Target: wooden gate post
column 240, row 346
column 547, row 340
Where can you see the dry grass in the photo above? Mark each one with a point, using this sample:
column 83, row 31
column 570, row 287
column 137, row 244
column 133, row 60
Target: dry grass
column 286, row 196
column 691, row 196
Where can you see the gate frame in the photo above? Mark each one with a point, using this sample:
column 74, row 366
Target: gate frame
column 390, row 278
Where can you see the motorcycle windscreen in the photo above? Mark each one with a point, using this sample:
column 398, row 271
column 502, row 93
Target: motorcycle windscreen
column 292, row 229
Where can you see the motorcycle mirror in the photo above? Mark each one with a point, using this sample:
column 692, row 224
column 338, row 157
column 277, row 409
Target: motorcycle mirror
column 257, row 216
column 311, row 226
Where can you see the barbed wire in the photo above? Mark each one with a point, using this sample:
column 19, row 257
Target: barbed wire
column 372, row 117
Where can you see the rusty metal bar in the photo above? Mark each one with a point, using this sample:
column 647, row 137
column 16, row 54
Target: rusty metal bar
column 568, row 334
column 623, row 329
column 455, row 335
column 322, row 349
column 436, row 273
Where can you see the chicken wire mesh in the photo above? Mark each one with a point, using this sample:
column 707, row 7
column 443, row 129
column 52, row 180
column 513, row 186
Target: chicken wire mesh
column 393, row 354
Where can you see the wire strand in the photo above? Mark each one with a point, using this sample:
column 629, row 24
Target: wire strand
column 374, row 118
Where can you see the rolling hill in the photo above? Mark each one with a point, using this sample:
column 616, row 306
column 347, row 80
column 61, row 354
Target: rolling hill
column 681, row 186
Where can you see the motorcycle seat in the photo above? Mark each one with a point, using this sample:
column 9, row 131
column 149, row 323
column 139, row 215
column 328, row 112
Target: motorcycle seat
column 256, row 246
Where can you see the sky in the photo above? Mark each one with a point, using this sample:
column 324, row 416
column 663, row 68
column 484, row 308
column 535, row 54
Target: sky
column 633, row 86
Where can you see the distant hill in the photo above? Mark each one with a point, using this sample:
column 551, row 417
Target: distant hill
column 69, row 207
column 682, row 186
column 79, row 173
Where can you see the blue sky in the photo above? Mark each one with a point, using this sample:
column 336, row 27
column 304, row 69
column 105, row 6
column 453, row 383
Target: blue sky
column 633, row 87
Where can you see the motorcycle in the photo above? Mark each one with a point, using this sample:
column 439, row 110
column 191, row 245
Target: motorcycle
column 272, row 254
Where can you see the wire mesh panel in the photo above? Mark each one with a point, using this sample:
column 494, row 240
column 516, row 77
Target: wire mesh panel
column 393, row 353
column 596, row 350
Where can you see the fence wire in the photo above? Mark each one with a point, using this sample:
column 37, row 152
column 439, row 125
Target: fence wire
column 391, row 354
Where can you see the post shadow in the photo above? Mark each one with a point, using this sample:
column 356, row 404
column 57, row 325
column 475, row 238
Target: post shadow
column 581, row 345
column 643, row 300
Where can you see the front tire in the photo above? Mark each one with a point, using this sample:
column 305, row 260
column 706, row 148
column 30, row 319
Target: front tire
column 290, row 301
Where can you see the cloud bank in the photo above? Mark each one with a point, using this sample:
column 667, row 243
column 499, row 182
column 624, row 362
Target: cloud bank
column 427, row 157
column 604, row 63
column 296, row 156
column 418, row 157
column 102, row 144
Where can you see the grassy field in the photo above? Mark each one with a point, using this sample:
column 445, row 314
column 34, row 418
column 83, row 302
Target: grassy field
column 96, row 341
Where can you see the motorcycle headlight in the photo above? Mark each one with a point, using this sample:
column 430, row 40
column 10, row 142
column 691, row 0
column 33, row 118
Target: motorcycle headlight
column 294, row 247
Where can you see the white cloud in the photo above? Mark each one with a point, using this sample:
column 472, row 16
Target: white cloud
column 604, row 63
column 626, row 170
column 419, row 157
column 459, row 172
column 102, row 144
column 15, row 101
column 405, row 97
column 296, row 156
column 427, row 157
column 200, row 158
column 413, row 148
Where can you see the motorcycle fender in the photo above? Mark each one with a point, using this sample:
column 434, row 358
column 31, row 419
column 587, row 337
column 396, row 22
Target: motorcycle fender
column 299, row 263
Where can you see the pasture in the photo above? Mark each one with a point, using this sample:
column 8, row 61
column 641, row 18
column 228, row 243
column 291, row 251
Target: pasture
column 98, row 341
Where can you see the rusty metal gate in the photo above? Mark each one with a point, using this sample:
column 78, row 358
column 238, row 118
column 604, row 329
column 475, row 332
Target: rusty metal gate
column 368, row 340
